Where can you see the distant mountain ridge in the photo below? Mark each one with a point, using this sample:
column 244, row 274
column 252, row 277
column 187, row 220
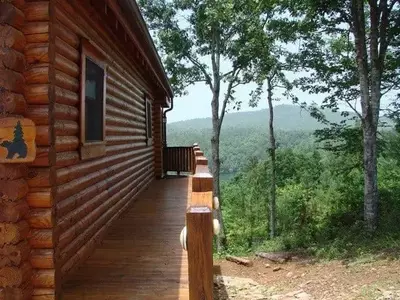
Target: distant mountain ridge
column 286, row 117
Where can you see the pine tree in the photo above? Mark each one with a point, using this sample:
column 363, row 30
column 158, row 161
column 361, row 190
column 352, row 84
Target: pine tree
column 18, row 133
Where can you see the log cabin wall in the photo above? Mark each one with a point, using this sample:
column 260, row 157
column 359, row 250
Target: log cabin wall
column 158, row 143
column 90, row 194
column 15, row 268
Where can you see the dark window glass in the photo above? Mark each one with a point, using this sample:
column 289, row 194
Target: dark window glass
column 94, row 101
column 148, row 117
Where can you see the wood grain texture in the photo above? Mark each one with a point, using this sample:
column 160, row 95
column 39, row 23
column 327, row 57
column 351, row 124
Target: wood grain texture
column 149, row 226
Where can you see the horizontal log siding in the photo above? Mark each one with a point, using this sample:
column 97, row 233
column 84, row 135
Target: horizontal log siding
column 90, row 194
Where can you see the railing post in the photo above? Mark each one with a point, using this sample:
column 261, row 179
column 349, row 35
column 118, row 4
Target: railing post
column 200, row 258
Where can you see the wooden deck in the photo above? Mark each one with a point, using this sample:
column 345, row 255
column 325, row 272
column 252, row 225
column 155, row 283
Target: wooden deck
column 141, row 257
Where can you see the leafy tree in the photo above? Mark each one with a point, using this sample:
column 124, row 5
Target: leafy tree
column 351, row 51
column 196, row 38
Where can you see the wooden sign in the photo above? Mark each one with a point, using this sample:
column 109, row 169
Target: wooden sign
column 17, row 140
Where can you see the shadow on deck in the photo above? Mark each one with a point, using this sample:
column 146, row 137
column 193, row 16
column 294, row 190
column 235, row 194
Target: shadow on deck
column 141, row 257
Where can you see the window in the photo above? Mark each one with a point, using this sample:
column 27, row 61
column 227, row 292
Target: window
column 93, row 101
column 149, row 125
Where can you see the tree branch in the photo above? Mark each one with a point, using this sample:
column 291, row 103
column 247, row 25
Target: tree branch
column 231, row 86
column 353, row 108
column 202, row 69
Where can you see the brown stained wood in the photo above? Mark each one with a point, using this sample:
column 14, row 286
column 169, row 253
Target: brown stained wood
column 40, row 218
column 151, row 225
column 202, row 182
column 40, row 199
column 66, row 97
column 42, row 136
column 11, row 15
column 42, row 157
column 37, row 75
column 34, row 28
column 41, row 238
column 39, row 177
column 37, row 11
column 12, row 38
column 43, row 278
column 20, row 293
column 12, row 81
column 37, row 53
column 13, row 190
column 65, row 128
column 202, row 199
column 201, row 160
column 12, row 212
column 66, row 112
column 13, row 233
column 14, row 255
column 44, row 294
column 37, row 38
column 66, row 143
column 15, row 276
column 200, row 260
column 20, row 4
column 42, row 258
column 13, row 103
column 37, row 93
column 12, row 59
column 11, row 172
column 39, row 114
column 66, row 81
column 64, row 159
column 66, row 50
column 67, row 66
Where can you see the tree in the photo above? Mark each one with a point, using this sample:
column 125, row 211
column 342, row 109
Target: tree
column 351, row 51
column 18, row 133
column 196, row 38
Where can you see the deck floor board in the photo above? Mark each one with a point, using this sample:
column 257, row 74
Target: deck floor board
column 141, row 257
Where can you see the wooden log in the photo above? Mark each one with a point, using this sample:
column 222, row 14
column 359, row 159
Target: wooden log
column 11, row 15
column 37, row 74
column 66, row 143
column 200, row 236
column 14, row 255
column 42, row 258
column 12, row 59
column 40, row 199
column 201, row 160
column 44, row 294
column 12, row 212
column 15, row 276
column 34, row 28
column 13, row 190
column 40, row 218
column 12, row 81
column 67, row 82
column 66, row 97
column 37, row 93
column 37, row 53
column 39, row 177
column 12, row 171
column 20, row 4
column 13, row 233
column 126, row 106
column 20, row 293
column 42, row 157
column 37, row 11
column 64, row 159
column 67, row 51
column 39, row 114
column 12, row 38
column 277, row 257
column 13, row 103
column 66, row 66
column 42, row 135
column 43, row 278
column 67, row 35
column 66, row 128
column 41, row 238
column 239, row 260
column 66, row 112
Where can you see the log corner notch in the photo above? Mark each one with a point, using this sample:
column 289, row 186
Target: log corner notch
column 15, row 267
column 199, row 220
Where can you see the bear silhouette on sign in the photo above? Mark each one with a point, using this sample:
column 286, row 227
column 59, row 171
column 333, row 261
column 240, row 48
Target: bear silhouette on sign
column 17, row 145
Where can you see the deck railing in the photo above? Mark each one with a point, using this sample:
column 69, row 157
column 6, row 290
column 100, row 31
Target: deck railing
column 197, row 236
column 179, row 159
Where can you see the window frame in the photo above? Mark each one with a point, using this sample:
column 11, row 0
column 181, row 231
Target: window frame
column 149, row 133
column 91, row 149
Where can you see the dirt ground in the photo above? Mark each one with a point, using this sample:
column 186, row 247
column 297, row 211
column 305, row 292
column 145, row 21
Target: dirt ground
column 379, row 279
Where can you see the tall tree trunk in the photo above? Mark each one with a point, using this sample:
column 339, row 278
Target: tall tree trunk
column 216, row 165
column 272, row 200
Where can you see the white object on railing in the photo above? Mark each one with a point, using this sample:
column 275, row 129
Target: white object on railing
column 216, row 203
column 216, row 227
column 183, row 238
